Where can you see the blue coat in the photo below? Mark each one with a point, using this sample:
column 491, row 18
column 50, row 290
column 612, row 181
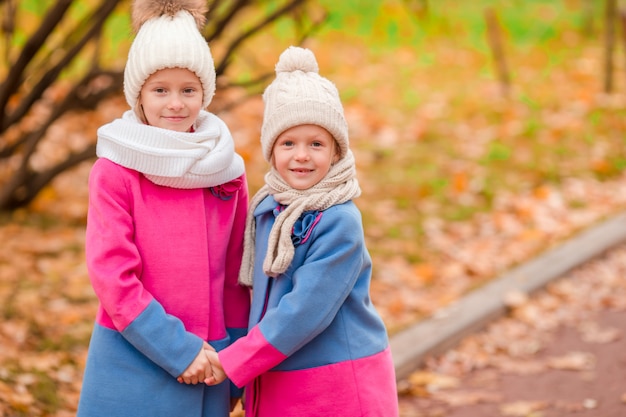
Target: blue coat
column 316, row 344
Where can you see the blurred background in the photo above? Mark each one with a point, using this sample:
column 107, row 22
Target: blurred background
column 485, row 132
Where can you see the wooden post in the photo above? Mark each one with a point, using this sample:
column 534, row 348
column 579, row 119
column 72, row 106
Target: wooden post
column 609, row 43
column 588, row 27
column 417, row 7
column 494, row 32
column 622, row 18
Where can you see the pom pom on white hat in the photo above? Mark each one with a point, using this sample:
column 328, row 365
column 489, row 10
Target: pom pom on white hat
column 298, row 96
column 168, row 36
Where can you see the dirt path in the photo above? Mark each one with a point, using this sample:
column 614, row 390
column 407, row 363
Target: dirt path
column 558, row 353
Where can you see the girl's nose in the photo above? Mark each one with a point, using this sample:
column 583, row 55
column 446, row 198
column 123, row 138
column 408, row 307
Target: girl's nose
column 302, row 153
column 176, row 103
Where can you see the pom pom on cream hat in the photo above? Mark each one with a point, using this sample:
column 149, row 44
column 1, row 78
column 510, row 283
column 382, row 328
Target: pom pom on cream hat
column 168, row 36
column 299, row 95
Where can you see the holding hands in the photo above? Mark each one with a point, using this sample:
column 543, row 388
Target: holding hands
column 218, row 372
column 199, row 369
column 205, row 368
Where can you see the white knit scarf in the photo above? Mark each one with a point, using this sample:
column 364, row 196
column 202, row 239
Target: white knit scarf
column 199, row 159
column 337, row 187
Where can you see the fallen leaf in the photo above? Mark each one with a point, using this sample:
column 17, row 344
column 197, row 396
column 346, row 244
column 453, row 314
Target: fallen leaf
column 573, row 361
column 464, row 398
column 569, row 406
column 593, row 333
column 523, row 408
column 515, row 298
column 433, row 381
column 590, row 403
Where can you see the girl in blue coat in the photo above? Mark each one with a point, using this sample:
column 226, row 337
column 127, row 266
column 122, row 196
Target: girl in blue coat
column 316, row 346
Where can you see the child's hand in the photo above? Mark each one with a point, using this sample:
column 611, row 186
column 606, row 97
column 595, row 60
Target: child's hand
column 218, row 372
column 199, row 369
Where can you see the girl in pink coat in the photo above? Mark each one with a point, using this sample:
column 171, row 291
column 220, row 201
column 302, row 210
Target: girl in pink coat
column 167, row 208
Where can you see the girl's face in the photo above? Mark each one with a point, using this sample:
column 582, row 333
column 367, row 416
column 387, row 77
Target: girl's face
column 171, row 98
column 303, row 155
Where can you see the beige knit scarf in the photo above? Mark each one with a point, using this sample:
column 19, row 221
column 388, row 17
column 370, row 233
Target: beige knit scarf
column 337, row 187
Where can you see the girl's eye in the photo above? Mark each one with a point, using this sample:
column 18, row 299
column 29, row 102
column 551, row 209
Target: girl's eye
column 189, row 91
column 287, row 143
column 159, row 90
column 316, row 144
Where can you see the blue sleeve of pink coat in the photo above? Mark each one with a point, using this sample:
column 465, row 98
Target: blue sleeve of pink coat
column 163, row 339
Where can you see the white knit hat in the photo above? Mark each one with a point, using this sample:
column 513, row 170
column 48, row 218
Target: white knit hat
column 168, row 36
column 299, row 95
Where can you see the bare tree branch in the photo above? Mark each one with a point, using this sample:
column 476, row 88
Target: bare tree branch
column 82, row 97
column 235, row 44
column 227, row 18
column 18, row 189
column 34, row 43
column 97, row 19
column 30, row 183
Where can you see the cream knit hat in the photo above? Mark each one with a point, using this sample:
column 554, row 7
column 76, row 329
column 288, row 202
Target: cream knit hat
column 168, row 36
column 299, row 95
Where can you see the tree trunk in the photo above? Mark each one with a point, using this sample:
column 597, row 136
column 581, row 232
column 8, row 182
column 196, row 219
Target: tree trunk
column 494, row 32
column 609, row 43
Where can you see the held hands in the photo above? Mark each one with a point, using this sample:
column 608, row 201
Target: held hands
column 218, row 372
column 200, row 370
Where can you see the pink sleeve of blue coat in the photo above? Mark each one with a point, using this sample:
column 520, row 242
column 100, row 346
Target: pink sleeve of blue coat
column 249, row 357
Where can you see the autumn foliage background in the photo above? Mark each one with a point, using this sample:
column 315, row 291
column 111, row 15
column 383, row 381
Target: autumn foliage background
column 462, row 176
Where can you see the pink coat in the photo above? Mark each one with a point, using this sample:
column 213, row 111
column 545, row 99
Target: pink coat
column 175, row 241
column 164, row 265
